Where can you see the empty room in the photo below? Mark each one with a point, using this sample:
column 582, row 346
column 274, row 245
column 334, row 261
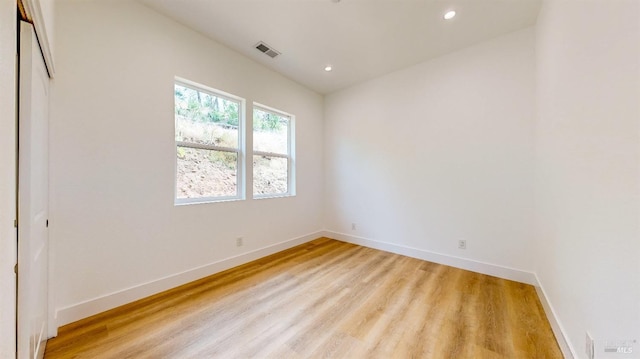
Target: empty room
column 320, row 179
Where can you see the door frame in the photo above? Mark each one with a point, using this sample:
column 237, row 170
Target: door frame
column 33, row 297
column 40, row 14
column 8, row 176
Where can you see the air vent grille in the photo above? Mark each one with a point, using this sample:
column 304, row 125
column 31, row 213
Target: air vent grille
column 266, row 49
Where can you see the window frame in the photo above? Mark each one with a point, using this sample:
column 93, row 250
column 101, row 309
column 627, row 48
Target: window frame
column 240, row 151
column 290, row 156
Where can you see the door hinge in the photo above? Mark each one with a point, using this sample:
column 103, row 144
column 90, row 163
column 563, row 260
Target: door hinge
column 15, row 269
column 15, row 223
column 47, row 223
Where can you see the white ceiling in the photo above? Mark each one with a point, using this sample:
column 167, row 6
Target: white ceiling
column 361, row 39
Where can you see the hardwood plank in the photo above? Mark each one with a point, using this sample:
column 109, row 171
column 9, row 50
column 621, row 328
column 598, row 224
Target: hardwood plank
column 323, row 299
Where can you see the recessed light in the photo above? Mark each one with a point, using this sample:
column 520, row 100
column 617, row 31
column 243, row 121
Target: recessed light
column 449, row 15
column 328, row 68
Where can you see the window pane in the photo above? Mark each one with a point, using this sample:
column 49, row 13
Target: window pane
column 206, row 173
column 269, row 175
column 270, row 132
column 206, row 119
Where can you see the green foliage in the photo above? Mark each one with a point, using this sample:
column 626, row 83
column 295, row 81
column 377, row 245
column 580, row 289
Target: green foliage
column 265, row 121
column 203, row 107
column 228, row 159
column 181, row 152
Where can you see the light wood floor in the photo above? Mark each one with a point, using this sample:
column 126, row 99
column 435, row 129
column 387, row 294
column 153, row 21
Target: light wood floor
column 323, row 299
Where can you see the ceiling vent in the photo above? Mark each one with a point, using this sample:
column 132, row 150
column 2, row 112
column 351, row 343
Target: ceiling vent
column 266, row 49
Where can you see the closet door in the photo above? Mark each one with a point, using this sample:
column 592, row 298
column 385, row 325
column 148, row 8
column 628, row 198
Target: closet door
column 33, row 197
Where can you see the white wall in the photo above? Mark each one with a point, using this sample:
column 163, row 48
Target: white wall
column 7, row 177
column 439, row 152
column 588, row 168
column 445, row 150
column 114, row 226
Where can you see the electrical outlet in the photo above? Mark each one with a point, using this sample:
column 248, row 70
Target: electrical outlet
column 462, row 244
column 589, row 347
column 353, row 226
column 239, row 242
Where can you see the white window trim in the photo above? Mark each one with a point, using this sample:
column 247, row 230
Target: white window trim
column 290, row 155
column 240, row 151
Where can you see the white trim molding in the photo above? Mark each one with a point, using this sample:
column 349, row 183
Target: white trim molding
column 109, row 301
column 558, row 330
column 462, row 263
column 33, row 10
column 103, row 303
column 474, row 266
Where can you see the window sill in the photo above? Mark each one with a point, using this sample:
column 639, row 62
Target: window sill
column 206, row 201
column 284, row 195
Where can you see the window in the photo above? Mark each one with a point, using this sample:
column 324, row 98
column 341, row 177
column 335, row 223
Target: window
column 272, row 153
column 209, row 156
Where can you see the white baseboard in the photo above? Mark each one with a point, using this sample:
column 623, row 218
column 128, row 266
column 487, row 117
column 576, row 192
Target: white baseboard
column 558, row 330
column 100, row 304
column 474, row 266
column 103, row 303
column 463, row 263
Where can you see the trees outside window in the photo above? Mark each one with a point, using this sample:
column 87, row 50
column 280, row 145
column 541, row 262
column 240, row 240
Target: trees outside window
column 272, row 153
column 210, row 151
column 208, row 129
